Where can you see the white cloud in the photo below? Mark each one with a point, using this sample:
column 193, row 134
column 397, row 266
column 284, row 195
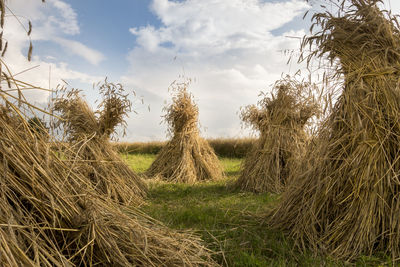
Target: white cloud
column 147, row 37
column 50, row 22
column 69, row 22
column 91, row 55
column 227, row 46
column 220, row 25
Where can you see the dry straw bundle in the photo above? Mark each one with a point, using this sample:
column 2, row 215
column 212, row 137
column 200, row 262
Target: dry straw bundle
column 51, row 215
column 186, row 157
column 280, row 120
column 89, row 149
column 346, row 200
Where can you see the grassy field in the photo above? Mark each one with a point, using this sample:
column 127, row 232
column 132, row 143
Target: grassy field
column 230, row 222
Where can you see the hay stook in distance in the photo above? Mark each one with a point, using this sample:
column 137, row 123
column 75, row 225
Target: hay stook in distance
column 187, row 157
column 88, row 133
column 280, row 120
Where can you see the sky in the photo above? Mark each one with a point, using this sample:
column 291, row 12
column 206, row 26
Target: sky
column 230, row 49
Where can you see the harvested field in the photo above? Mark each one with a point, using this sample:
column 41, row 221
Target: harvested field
column 319, row 186
column 230, row 221
column 223, row 147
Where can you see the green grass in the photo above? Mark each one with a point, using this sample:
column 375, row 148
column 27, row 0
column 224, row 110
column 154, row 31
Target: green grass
column 139, row 162
column 231, row 166
column 228, row 221
column 231, row 223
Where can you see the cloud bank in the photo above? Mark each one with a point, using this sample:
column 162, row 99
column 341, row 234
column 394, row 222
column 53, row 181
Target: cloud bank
column 230, row 48
column 54, row 22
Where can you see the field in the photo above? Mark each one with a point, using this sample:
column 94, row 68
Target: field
column 223, row 147
column 317, row 184
column 228, row 221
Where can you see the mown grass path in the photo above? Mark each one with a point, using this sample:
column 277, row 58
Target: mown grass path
column 230, row 222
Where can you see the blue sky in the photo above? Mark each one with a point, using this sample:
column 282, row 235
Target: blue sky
column 232, row 49
column 105, row 27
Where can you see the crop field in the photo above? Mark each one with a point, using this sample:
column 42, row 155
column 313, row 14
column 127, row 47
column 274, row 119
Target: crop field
column 230, row 222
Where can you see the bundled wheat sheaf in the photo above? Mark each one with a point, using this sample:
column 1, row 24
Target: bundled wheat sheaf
column 345, row 200
column 88, row 135
column 187, row 157
column 51, row 215
column 280, row 120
